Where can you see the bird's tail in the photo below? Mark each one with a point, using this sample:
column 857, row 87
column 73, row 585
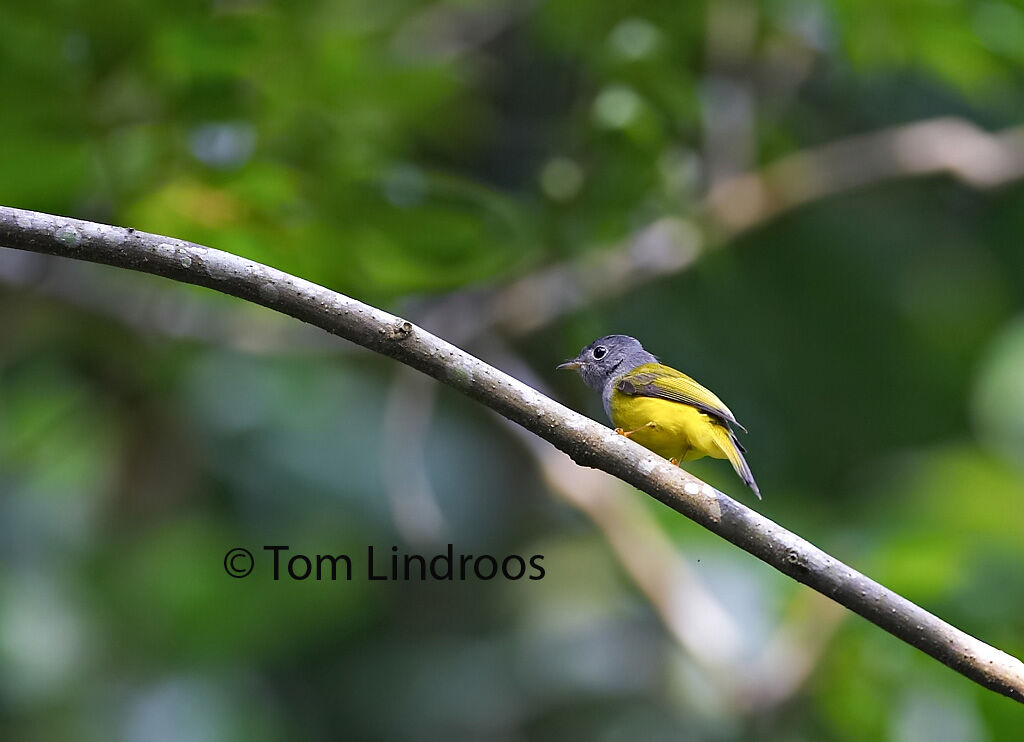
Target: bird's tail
column 733, row 451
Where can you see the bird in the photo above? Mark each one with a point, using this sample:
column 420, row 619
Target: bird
column 659, row 407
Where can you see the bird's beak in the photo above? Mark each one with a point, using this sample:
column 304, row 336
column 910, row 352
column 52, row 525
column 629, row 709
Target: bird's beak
column 568, row 365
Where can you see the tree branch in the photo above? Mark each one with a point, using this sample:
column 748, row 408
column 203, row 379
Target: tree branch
column 938, row 146
column 587, row 442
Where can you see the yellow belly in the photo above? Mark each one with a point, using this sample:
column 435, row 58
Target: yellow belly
column 679, row 431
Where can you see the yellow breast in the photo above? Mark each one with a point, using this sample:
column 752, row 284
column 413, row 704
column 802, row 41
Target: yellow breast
column 678, row 431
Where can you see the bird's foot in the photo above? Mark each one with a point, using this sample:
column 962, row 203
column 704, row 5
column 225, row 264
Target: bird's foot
column 628, row 433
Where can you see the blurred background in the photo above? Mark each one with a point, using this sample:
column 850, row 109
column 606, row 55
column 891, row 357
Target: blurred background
column 813, row 206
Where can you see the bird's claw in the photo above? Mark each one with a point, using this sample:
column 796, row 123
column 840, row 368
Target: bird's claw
column 627, row 433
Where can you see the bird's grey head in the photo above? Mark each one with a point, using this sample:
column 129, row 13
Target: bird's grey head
column 608, row 357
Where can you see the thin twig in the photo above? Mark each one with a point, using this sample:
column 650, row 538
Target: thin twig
column 587, row 442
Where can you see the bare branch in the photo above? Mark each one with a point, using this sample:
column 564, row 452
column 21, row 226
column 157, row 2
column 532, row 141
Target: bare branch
column 940, row 146
column 587, row 442
column 949, row 146
column 667, row 246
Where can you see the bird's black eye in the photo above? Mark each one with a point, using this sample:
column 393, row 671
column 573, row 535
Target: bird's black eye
column 600, row 352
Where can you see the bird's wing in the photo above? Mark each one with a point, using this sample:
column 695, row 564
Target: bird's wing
column 657, row 380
